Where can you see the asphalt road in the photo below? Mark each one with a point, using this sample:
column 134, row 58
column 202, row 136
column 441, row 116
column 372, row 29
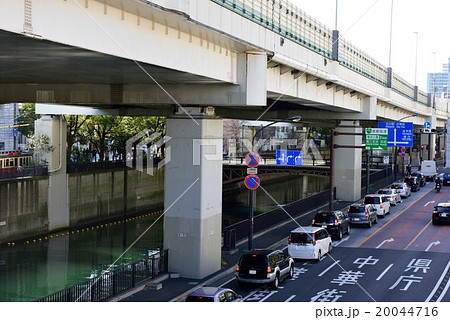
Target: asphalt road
column 402, row 258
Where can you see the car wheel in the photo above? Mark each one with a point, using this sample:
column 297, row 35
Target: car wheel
column 369, row 225
column 376, row 220
column 319, row 256
column 330, row 248
column 276, row 282
column 340, row 234
column 291, row 272
column 348, row 229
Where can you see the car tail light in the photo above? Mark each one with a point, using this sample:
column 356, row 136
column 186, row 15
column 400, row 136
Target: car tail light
column 367, row 215
column 314, row 239
column 237, row 268
column 269, row 269
column 348, row 210
column 289, row 240
column 313, row 220
column 336, row 222
column 381, row 206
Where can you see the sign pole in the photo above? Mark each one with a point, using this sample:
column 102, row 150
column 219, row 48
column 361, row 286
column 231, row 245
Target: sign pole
column 367, row 171
column 251, row 197
column 331, row 200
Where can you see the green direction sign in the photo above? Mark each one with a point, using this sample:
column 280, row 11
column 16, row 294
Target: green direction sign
column 376, row 138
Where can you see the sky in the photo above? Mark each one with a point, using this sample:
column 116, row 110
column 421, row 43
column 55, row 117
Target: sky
column 416, row 24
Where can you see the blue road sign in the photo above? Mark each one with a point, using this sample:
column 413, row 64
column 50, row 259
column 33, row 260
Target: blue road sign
column 289, row 157
column 400, row 134
column 252, row 181
column 427, row 125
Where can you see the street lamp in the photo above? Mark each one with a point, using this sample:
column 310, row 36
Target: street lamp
column 251, row 194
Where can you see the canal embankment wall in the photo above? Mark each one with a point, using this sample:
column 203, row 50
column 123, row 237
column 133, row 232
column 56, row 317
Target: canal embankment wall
column 93, row 196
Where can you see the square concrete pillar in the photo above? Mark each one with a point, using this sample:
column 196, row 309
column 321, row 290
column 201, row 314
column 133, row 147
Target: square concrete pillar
column 347, row 162
column 193, row 195
column 55, row 128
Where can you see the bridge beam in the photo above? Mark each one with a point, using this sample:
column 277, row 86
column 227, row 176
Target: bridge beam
column 193, row 194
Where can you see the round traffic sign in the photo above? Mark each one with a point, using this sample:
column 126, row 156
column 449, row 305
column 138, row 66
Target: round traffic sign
column 403, row 154
column 252, row 181
column 252, row 159
column 403, row 149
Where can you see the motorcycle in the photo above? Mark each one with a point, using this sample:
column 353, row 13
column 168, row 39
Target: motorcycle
column 438, row 187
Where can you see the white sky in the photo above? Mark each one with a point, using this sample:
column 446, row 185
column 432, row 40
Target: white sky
column 366, row 24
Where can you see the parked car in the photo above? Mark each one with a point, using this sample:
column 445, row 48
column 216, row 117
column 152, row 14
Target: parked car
column 309, row 243
column 402, row 188
column 421, row 178
column 380, row 202
column 264, row 267
column 362, row 214
column 392, row 195
column 413, row 183
column 336, row 222
column 441, row 213
column 446, row 179
column 213, row 294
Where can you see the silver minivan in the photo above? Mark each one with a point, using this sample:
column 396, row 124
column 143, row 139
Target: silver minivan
column 380, row 202
column 362, row 214
column 309, row 243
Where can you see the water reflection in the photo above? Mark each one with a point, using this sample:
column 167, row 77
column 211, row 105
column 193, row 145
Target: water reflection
column 28, row 272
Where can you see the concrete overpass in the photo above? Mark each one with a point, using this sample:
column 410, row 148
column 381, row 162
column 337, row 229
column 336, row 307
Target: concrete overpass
column 195, row 62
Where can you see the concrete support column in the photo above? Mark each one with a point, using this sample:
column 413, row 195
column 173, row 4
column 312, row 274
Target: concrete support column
column 347, row 163
column 193, row 193
column 54, row 127
column 447, row 145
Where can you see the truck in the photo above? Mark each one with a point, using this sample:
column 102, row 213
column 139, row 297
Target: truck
column 428, row 168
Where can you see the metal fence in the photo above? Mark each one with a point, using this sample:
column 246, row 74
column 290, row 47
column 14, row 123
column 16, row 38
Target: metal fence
column 112, row 282
column 23, row 172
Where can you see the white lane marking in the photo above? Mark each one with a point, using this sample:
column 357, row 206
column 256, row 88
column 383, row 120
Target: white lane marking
column 432, row 244
column 384, row 272
column 250, row 294
column 443, row 292
column 428, row 203
column 225, row 283
column 290, row 298
column 438, row 283
column 383, row 242
column 338, row 243
column 269, row 295
column 331, row 266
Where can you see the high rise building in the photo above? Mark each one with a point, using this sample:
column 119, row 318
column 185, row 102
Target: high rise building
column 10, row 138
column 439, row 82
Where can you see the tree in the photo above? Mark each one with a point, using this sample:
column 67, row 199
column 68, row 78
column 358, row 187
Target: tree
column 97, row 129
column 27, row 115
column 74, row 124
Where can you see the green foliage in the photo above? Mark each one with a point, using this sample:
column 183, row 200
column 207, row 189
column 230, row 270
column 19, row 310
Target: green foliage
column 27, row 115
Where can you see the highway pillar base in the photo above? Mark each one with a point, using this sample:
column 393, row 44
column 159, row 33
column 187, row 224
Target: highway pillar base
column 193, row 193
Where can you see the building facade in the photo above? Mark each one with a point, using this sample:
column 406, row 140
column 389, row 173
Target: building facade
column 439, row 82
column 10, row 138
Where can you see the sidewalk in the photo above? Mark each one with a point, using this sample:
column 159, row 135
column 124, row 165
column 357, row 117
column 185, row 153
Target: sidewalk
column 174, row 288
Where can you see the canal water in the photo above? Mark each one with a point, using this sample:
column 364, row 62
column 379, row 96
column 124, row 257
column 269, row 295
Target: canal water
column 30, row 271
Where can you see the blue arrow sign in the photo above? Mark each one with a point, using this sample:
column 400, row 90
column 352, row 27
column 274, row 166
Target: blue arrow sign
column 289, row 157
column 399, row 133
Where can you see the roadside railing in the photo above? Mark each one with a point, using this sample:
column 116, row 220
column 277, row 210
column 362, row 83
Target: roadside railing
column 114, row 281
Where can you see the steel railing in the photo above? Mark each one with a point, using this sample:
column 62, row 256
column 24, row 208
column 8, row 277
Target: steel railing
column 112, row 282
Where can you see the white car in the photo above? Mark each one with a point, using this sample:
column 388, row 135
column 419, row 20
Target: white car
column 380, row 202
column 392, row 195
column 402, row 188
column 309, row 243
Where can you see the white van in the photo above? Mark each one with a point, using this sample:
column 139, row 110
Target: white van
column 309, row 243
column 428, row 168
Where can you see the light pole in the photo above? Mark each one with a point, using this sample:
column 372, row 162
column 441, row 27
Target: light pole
column 251, row 194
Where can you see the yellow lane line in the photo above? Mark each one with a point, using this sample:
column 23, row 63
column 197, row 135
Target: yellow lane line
column 415, row 238
column 387, row 223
